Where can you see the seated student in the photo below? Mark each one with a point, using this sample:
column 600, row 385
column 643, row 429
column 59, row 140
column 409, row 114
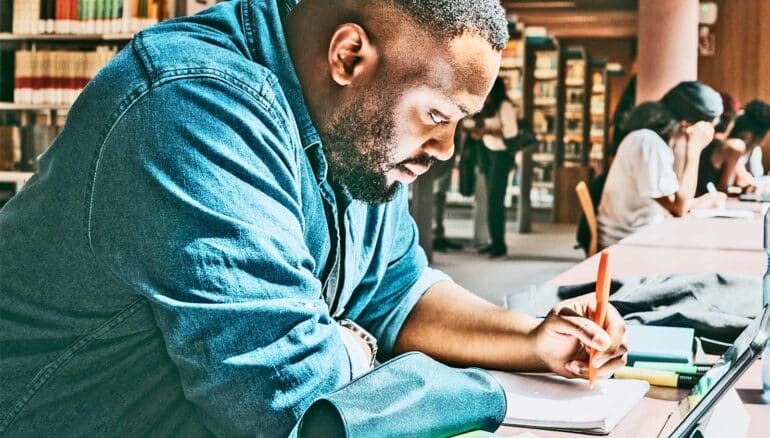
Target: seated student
column 737, row 159
column 642, row 185
column 720, row 161
column 750, row 127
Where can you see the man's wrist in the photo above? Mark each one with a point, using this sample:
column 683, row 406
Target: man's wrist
column 367, row 340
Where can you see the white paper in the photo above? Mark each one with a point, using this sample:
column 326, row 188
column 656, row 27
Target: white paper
column 722, row 212
column 555, row 402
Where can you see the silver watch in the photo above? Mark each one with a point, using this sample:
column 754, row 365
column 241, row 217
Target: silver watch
column 370, row 340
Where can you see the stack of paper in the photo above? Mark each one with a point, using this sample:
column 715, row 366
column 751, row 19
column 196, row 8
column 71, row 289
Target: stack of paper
column 552, row 402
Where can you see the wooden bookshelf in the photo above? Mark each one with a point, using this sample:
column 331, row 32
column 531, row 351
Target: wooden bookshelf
column 540, row 82
column 10, row 106
column 7, row 37
column 572, row 131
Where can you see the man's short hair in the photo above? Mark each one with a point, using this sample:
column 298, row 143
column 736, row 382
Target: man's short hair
column 451, row 18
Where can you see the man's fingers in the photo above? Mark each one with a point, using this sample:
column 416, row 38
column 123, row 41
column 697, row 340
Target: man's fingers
column 585, row 330
column 580, row 368
column 615, row 326
column 608, row 368
column 604, row 357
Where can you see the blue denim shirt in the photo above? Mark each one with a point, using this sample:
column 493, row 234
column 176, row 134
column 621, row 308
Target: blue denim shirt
column 170, row 269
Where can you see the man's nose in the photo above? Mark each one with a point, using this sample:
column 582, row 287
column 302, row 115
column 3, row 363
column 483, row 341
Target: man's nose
column 441, row 147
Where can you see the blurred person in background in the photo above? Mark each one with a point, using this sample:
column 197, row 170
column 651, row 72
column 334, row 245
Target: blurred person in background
column 642, row 184
column 499, row 126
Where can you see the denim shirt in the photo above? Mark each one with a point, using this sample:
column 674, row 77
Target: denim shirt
column 176, row 265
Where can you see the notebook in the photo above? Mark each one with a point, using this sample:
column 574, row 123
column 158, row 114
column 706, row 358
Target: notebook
column 731, row 213
column 553, row 402
column 650, row 343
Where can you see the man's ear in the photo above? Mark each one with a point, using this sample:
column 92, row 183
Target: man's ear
column 351, row 55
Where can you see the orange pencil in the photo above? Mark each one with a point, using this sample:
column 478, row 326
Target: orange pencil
column 602, row 298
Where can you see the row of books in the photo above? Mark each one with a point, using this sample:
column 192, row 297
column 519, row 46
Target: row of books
column 21, row 145
column 56, row 77
column 82, row 16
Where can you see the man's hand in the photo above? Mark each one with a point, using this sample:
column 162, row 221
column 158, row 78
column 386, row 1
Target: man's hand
column 562, row 339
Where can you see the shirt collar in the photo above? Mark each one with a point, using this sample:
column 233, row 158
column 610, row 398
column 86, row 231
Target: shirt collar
column 267, row 44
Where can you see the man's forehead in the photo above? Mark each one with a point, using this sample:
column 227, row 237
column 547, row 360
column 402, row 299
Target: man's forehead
column 462, row 77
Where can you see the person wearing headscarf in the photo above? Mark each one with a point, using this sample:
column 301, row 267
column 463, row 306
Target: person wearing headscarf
column 642, row 185
column 692, row 102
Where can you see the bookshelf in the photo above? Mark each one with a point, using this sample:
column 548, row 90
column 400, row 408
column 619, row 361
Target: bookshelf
column 49, row 49
column 539, row 103
column 599, row 104
column 572, row 131
column 21, row 39
column 601, row 73
column 572, row 128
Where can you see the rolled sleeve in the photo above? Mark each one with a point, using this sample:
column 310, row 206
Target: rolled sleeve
column 393, row 324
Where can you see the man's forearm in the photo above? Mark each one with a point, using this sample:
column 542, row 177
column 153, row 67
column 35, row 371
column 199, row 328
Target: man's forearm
column 459, row 328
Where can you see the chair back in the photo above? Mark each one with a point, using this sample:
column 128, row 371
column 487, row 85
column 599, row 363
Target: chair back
column 584, row 196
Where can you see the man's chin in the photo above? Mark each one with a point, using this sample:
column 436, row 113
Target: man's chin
column 376, row 197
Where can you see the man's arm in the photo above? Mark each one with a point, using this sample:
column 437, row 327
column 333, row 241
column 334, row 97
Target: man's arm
column 196, row 208
column 459, row 328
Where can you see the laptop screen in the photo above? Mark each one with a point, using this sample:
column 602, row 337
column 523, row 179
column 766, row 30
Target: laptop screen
column 717, row 379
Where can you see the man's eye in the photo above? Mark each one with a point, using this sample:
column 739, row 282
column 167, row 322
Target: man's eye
column 438, row 119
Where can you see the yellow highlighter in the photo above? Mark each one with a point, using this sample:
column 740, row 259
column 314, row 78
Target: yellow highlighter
column 659, row 377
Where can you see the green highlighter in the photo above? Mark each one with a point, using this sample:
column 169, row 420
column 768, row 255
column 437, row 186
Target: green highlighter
column 675, row 367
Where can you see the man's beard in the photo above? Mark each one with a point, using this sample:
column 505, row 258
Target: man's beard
column 359, row 145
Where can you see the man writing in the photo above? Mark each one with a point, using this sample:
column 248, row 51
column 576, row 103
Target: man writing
column 229, row 188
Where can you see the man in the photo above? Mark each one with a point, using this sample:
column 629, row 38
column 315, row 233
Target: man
column 225, row 191
column 646, row 180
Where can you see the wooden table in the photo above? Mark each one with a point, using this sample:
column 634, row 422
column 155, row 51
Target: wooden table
column 680, row 246
column 691, row 232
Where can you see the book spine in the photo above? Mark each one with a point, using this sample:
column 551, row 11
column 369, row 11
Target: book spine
column 42, row 9
column 66, row 22
column 74, row 63
column 117, row 14
column 37, row 77
column 50, row 22
column 6, row 15
column 75, row 17
column 99, row 16
column 23, row 77
column 6, row 75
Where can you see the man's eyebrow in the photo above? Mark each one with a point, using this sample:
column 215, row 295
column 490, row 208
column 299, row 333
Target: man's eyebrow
column 466, row 112
column 462, row 108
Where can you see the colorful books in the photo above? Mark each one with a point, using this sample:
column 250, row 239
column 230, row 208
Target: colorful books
column 78, row 17
column 56, row 77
